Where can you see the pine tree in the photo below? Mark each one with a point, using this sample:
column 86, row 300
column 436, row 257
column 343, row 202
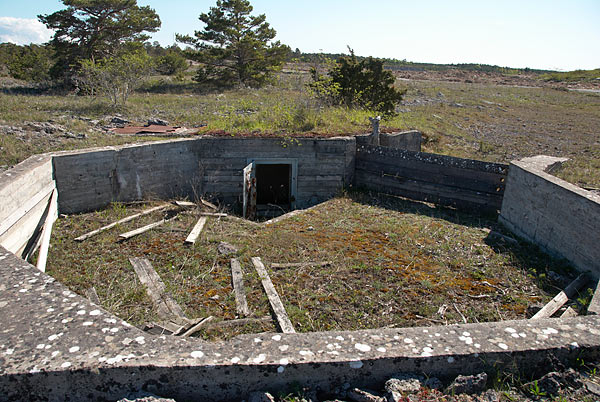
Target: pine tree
column 235, row 47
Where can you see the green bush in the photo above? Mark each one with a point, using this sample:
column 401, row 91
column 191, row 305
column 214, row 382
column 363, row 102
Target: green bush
column 358, row 84
column 171, row 63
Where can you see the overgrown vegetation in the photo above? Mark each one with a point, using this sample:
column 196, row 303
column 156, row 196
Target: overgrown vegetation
column 572, row 76
column 394, row 263
column 358, row 83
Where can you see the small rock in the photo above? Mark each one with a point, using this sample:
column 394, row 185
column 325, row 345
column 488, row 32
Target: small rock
column 226, row 248
column 360, row 395
column 119, row 120
column 490, row 396
column 471, row 384
column 592, row 387
column 260, row 397
column 404, row 384
column 145, row 398
column 433, row 383
column 157, row 122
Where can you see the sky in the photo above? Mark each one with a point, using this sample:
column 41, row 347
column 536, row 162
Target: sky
column 543, row 34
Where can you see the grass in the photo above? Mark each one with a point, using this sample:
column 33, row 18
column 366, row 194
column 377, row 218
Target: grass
column 479, row 121
column 395, row 263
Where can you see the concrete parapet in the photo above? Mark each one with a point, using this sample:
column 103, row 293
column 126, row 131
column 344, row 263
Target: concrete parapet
column 56, row 345
column 558, row 216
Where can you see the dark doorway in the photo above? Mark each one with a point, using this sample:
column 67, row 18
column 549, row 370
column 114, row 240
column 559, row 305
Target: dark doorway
column 273, row 184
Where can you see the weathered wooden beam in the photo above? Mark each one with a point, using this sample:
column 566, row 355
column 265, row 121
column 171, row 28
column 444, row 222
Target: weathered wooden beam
column 47, row 231
column 127, row 219
column 208, row 204
column 193, row 236
column 185, row 204
column 214, row 214
column 594, row 307
column 282, row 318
column 135, row 232
column 167, row 309
column 198, row 326
column 569, row 312
column 237, row 277
column 561, row 298
column 239, row 322
column 301, row 264
column 27, row 206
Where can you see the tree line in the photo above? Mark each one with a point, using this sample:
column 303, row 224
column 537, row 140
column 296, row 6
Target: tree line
column 100, row 47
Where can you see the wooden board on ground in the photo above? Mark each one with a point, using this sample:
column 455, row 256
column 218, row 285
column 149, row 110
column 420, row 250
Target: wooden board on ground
column 135, row 232
column 301, row 264
column 47, row 231
column 187, row 204
column 282, row 318
column 124, row 220
column 197, row 327
column 237, row 277
column 208, row 204
column 239, row 322
column 561, row 298
column 193, row 236
column 167, row 309
column 569, row 312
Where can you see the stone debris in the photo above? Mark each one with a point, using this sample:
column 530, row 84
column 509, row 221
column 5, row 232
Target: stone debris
column 361, row 395
column 225, row 248
column 119, row 120
column 472, row 384
column 404, row 384
column 145, row 398
column 157, row 122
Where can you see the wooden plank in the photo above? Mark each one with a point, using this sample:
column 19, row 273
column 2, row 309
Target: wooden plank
column 301, row 264
column 208, row 204
column 237, row 277
column 239, row 322
column 561, row 298
column 468, row 179
column 569, row 312
column 214, row 214
column 127, row 219
column 184, row 204
column 429, row 192
column 198, row 326
column 594, row 307
column 167, row 308
column 51, row 217
column 135, row 232
column 26, row 207
column 282, row 318
column 193, row 236
column 92, row 296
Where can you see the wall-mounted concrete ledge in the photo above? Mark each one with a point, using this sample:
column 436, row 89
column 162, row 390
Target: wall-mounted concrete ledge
column 558, row 216
column 55, row 345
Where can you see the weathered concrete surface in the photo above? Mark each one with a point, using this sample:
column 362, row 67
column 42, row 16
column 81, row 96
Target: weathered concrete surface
column 90, row 179
column 24, row 194
column 56, row 345
column 558, row 216
column 407, row 140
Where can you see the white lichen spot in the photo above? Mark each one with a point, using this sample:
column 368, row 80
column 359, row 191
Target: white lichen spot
column 522, row 334
column 140, row 340
column 94, row 354
column 283, row 348
column 74, row 349
column 235, row 360
column 574, row 344
column 427, row 350
column 65, row 365
column 356, row 364
column 113, row 330
column 549, row 331
column 40, row 346
column 502, row 346
column 339, row 338
column 95, row 312
column 23, row 290
column 52, row 338
column 9, row 351
column 81, row 312
column 437, row 334
column 450, row 359
column 306, row 353
column 88, row 323
column 408, row 340
column 50, row 310
column 510, row 330
column 426, row 331
column 362, row 347
column 276, row 337
column 257, row 340
column 260, row 358
column 477, row 345
column 110, row 320
column 284, row 361
column 514, row 335
column 196, row 354
column 55, row 353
